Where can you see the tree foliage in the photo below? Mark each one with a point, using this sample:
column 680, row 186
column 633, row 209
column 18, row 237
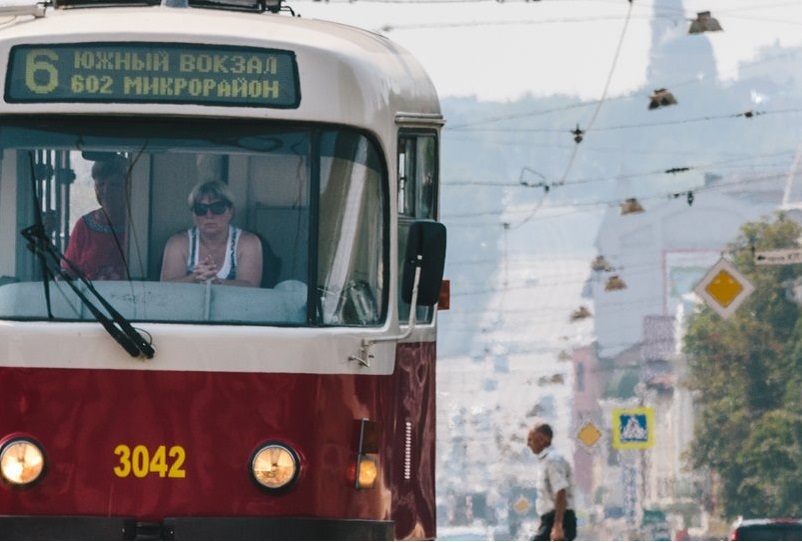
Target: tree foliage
column 745, row 372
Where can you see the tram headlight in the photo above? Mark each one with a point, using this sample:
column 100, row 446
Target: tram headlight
column 22, row 461
column 274, row 466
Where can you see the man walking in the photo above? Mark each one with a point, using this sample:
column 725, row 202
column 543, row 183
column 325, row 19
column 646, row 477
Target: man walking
column 555, row 488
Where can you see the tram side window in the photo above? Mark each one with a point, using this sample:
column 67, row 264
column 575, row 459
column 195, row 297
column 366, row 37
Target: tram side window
column 417, row 189
column 417, row 169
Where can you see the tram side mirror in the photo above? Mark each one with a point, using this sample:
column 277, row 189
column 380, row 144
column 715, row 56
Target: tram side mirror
column 426, row 248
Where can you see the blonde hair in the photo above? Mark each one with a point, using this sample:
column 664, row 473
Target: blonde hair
column 213, row 189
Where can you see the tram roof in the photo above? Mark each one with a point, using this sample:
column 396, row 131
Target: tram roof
column 347, row 75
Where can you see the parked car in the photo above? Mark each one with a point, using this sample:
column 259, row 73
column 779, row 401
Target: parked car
column 767, row 529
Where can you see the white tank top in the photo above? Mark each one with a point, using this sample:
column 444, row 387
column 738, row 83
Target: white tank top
column 228, row 271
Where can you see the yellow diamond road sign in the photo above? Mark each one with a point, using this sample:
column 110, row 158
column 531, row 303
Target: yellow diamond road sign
column 588, row 435
column 723, row 288
column 521, row 505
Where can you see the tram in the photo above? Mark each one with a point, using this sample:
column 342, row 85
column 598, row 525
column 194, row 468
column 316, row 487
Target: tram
column 285, row 390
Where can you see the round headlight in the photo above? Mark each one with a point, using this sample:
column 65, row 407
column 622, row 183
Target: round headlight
column 274, row 466
column 21, row 462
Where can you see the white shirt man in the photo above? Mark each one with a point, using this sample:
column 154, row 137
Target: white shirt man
column 555, row 488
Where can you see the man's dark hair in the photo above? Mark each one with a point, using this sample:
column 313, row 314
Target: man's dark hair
column 544, row 429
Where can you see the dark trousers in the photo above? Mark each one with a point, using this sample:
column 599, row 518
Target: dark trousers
column 547, row 522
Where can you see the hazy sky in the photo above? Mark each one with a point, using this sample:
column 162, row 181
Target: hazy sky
column 502, row 50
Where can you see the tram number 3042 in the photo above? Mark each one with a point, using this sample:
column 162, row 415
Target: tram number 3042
column 140, row 462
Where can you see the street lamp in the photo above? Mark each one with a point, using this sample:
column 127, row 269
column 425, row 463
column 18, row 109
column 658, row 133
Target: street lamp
column 704, row 23
column 580, row 314
column 614, row 283
column 661, row 98
column 631, row 206
column 601, row 264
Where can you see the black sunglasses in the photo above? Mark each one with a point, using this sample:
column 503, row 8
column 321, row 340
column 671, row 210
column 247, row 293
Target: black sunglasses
column 217, row 208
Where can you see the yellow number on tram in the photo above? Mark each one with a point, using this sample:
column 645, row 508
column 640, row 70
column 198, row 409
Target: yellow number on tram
column 140, row 462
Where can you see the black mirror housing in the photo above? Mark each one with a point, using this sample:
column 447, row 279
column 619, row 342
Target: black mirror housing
column 426, row 248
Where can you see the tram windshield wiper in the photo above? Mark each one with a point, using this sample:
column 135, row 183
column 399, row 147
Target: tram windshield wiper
column 115, row 323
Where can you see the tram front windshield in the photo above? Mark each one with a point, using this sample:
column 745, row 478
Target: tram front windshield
column 313, row 197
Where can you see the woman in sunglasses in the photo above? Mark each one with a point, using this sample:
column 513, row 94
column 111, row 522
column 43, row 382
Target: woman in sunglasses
column 213, row 250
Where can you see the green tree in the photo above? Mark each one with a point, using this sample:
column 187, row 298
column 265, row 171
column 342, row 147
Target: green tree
column 746, row 375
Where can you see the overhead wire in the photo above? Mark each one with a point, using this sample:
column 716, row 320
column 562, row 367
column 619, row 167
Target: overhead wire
column 518, row 116
column 723, row 164
column 706, row 118
column 517, row 22
column 571, row 208
column 601, row 101
column 586, row 104
column 663, row 194
column 607, row 150
column 587, row 276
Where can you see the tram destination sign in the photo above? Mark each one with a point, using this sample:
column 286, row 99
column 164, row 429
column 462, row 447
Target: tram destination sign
column 153, row 72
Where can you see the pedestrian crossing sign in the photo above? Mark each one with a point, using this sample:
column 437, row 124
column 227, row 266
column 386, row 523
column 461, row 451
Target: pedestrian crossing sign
column 633, row 428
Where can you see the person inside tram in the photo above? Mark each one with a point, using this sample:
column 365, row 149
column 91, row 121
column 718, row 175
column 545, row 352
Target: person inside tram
column 213, row 250
column 96, row 248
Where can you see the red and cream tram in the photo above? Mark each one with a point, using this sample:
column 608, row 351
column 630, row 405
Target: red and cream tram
column 141, row 404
